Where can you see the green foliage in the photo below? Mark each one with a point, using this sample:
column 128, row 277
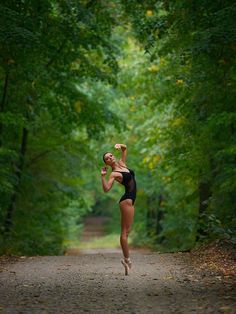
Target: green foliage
column 77, row 77
column 48, row 51
column 191, row 47
column 178, row 102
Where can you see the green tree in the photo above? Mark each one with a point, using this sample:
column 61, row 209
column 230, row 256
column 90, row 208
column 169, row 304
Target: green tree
column 191, row 46
column 49, row 49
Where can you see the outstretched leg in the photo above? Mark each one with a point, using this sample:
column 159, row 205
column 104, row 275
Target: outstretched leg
column 127, row 217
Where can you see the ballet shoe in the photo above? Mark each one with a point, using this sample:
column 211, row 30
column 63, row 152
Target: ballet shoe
column 127, row 265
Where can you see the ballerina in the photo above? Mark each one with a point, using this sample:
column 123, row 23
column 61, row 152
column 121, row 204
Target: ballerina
column 126, row 177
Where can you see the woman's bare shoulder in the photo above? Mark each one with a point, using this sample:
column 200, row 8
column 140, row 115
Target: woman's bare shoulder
column 121, row 163
column 116, row 176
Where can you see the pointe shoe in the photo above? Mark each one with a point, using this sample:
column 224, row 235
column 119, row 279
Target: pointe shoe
column 127, row 265
column 128, row 261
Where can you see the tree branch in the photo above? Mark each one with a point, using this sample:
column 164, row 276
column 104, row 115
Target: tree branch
column 34, row 159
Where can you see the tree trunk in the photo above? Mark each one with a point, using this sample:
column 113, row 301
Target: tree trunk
column 18, row 174
column 159, row 215
column 150, row 217
column 3, row 101
column 204, row 189
column 204, row 194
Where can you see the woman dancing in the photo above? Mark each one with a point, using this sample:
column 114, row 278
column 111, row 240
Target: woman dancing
column 124, row 176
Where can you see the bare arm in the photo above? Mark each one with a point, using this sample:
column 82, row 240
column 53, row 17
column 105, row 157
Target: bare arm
column 107, row 185
column 123, row 149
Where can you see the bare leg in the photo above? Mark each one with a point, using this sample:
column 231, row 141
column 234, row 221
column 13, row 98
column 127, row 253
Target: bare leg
column 127, row 217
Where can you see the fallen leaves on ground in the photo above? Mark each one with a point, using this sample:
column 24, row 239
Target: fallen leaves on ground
column 217, row 259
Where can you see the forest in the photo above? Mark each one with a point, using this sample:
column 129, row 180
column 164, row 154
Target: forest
column 79, row 76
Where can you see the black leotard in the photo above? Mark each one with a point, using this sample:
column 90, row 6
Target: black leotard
column 129, row 182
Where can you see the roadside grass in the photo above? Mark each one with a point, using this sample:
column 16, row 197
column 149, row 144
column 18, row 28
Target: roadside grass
column 108, row 241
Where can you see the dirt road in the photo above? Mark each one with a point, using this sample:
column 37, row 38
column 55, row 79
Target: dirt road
column 95, row 283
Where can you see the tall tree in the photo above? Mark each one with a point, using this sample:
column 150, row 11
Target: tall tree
column 49, row 49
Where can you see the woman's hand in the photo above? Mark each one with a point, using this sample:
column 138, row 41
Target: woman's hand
column 120, row 146
column 123, row 149
column 104, row 171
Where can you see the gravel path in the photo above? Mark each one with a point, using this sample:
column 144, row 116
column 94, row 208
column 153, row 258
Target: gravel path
column 95, row 283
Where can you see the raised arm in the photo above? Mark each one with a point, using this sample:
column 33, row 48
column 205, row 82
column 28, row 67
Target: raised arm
column 106, row 185
column 123, row 149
